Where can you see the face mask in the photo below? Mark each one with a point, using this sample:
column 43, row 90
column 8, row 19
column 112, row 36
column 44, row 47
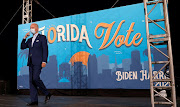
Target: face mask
column 32, row 31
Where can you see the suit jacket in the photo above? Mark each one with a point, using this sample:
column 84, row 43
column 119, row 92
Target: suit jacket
column 39, row 52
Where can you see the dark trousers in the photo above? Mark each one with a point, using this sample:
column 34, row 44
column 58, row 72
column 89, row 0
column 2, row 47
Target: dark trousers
column 35, row 82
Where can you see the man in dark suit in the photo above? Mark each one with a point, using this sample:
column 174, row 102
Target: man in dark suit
column 37, row 59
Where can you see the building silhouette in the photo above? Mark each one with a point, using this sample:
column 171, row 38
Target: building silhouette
column 146, row 65
column 115, row 65
column 92, row 71
column 135, row 61
column 126, row 64
column 102, row 63
column 49, row 74
column 78, row 79
column 157, row 56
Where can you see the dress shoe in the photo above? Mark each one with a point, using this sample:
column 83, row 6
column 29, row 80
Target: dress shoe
column 32, row 103
column 48, row 97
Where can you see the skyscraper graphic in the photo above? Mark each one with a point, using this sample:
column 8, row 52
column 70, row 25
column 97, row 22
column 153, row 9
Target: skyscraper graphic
column 115, row 65
column 146, row 65
column 102, row 62
column 92, row 71
column 135, row 61
column 126, row 64
column 78, row 80
column 49, row 74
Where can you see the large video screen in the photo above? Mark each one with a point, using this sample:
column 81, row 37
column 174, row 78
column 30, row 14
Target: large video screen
column 104, row 49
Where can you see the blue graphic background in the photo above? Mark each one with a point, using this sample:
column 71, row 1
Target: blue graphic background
column 102, row 64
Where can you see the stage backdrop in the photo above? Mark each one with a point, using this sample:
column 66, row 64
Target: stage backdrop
column 105, row 49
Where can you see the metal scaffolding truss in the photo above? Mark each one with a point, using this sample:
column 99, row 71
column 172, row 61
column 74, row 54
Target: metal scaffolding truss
column 27, row 11
column 154, row 42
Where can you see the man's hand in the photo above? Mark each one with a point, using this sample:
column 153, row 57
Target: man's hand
column 43, row 64
column 27, row 34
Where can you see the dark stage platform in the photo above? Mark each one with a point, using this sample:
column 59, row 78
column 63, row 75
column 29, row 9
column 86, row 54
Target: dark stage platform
column 78, row 101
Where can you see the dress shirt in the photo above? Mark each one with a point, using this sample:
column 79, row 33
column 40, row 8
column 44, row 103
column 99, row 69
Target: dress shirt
column 34, row 38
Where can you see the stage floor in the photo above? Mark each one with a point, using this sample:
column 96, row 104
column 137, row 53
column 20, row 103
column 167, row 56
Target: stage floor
column 78, row 101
